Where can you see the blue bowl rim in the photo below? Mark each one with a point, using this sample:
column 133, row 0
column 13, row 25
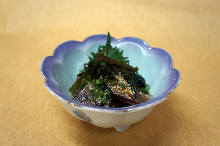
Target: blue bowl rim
column 54, row 90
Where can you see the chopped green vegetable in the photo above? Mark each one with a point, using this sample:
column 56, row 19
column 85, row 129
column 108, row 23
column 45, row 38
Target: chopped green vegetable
column 99, row 81
column 103, row 63
column 145, row 89
column 122, row 85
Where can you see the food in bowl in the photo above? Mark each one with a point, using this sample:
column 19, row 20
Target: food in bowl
column 108, row 80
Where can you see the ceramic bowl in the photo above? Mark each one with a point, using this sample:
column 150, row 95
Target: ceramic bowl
column 155, row 65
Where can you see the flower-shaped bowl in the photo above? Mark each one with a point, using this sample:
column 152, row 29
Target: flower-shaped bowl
column 155, row 65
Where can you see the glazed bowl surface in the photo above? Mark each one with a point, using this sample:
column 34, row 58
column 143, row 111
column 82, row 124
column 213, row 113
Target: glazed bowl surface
column 155, row 65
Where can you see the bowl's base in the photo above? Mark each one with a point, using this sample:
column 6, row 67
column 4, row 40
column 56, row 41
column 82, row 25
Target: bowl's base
column 122, row 128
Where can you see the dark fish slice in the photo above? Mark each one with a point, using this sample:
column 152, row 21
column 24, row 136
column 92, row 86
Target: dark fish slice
column 85, row 96
column 123, row 100
column 115, row 103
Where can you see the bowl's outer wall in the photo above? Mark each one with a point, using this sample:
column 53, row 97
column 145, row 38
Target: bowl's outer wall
column 107, row 120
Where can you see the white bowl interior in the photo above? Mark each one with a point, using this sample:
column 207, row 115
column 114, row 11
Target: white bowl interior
column 154, row 68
